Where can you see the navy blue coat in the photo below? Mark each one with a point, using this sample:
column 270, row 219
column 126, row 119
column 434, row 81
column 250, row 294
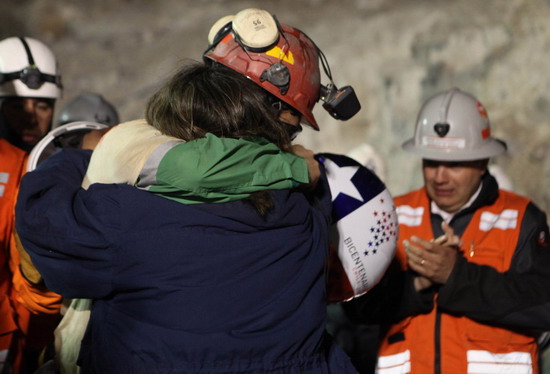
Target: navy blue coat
column 211, row 288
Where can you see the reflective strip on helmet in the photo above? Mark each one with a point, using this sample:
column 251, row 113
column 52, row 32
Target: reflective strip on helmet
column 399, row 363
column 446, row 143
column 409, row 216
column 507, row 219
column 485, row 362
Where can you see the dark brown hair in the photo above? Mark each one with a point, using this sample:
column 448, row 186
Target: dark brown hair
column 211, row 98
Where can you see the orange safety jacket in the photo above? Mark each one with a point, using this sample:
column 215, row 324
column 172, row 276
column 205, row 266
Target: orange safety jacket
column 21, row 329
column 460, row 344
column 12, row 167
column 12, row 161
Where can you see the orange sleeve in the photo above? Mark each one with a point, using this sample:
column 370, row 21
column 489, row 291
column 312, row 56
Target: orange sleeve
column 35, row 297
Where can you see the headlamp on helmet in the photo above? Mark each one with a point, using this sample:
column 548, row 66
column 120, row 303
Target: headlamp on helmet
column 340, row 103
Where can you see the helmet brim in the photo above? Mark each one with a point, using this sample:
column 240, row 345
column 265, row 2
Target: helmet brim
column 492, row 147
column 46, row 147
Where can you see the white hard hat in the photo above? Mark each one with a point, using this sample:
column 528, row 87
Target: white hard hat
column 453, row 126
column 89, row 107
column 28, row 69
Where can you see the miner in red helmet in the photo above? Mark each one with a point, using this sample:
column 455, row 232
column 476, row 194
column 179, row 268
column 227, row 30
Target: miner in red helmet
column 284, row 62
column 287, row 64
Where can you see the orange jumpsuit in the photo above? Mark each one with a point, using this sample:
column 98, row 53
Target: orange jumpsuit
column 28, row 312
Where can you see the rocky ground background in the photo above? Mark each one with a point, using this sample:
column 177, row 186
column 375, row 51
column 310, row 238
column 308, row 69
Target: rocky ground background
column 395, row 53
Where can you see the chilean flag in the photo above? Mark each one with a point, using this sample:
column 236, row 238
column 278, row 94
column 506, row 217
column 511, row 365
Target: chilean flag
column 364, row 230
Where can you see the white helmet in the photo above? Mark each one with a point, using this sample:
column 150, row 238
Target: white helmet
column 89, row 107
column 28, row 69
column 453, row 126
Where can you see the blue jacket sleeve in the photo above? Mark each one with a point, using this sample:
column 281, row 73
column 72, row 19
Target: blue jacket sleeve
column 67, row 230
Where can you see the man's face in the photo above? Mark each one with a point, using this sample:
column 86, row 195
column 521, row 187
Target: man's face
column 29, row 118
column 451, row 184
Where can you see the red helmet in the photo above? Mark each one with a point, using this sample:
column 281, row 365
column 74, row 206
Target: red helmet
column 279, row 58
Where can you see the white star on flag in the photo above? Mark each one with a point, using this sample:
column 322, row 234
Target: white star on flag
column 339, row 180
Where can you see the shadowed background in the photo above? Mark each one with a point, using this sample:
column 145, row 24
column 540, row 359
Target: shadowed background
column 395, row 53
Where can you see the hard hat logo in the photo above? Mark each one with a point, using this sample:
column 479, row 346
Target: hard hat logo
column 442, row 129
column 482, row 111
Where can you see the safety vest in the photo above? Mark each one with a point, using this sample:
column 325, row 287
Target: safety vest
column 12, row 162
column 460, row 344
column 32, row 312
